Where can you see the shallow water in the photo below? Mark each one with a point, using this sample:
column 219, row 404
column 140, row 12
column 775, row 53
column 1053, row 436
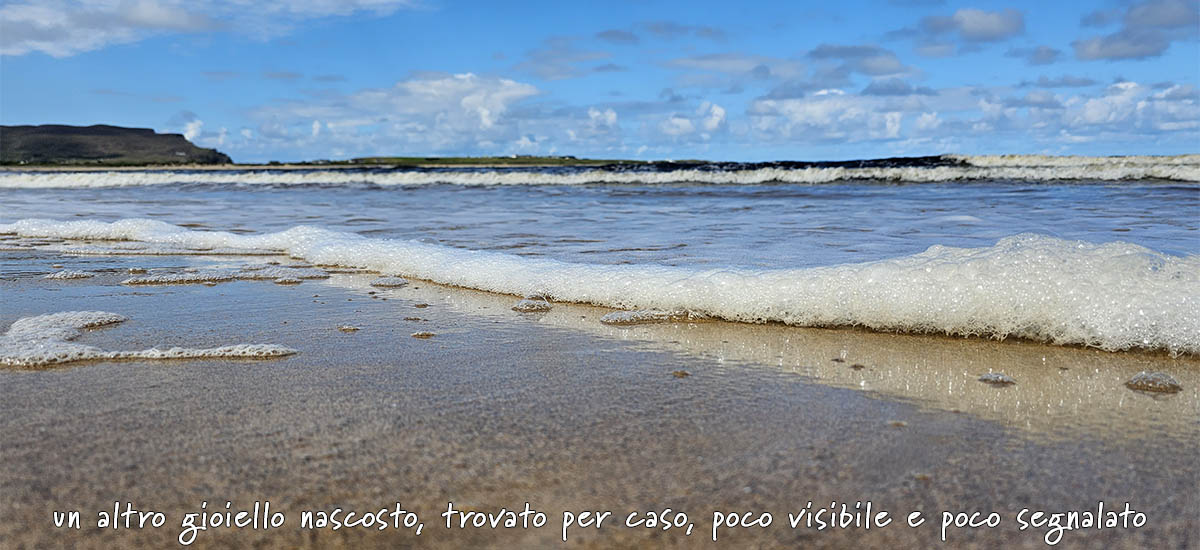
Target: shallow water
column 753, row 226
column 1109, row 264
column 498, row 407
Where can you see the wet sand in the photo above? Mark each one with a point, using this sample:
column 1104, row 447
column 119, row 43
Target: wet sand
column 501, row 408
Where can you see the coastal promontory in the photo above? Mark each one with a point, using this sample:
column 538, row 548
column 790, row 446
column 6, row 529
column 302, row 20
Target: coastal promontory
column 55, row 144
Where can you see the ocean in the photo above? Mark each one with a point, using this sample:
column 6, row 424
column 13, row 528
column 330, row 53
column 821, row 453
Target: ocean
column 998, row 336
column 1084, row 251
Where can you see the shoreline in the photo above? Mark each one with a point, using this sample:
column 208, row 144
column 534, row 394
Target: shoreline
column 500, row 408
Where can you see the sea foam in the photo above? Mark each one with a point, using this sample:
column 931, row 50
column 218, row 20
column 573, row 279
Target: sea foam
column 949, row 168
column 47, row 340
column 1112, row 296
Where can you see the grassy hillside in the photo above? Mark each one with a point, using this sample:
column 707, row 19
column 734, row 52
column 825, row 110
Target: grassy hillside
column 99, row 145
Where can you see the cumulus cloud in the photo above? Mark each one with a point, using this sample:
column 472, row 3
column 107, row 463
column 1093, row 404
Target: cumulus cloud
column 1122, row 111
column 432, row 111
column 63, row 28
column 963, row 31
column 975, row 25
column 1041, row 55
column 826, row 115
column 676, row 125
column 1147, row 30
column 192, row 129
column 698, row 126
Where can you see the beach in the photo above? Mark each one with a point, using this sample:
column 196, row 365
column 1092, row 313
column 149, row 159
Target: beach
column 592, row 275
column 499, row 408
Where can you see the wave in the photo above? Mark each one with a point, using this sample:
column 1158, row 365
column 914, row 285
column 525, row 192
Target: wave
column 950, row 168
column 1112, row 296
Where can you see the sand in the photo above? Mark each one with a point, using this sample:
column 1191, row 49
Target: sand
column 499, row 408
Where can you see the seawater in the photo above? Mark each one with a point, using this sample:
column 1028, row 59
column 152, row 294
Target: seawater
column 1038, row 249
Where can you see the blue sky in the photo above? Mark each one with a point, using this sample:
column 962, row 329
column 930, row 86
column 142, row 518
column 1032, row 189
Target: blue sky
column 314, row 79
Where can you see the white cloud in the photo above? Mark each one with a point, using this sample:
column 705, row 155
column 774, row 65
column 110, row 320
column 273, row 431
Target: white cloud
column 602, row 119
column 63, row 28
column 713, row 116
column 432, row 111
column 1124, row 111
column 927, row 122
column 676, row 125
column 192, row 129
column 832, row 115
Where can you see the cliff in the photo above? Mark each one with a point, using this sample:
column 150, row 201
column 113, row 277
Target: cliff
column 99, row 144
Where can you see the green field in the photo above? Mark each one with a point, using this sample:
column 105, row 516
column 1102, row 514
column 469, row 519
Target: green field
column 484, row 161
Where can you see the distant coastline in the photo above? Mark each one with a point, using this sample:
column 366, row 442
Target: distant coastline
column 448, row 162
column 99, row 145
column 104, row 148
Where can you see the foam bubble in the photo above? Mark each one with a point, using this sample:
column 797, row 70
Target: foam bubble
column 1159, row 382
column 532, row 306
column 997, row 379
column 69, row 274
column 207, row 276
column 1112, row 296
column 276, row 272
column 141, row 249
column 47, row 340
column 644, row 316
column 389, row 282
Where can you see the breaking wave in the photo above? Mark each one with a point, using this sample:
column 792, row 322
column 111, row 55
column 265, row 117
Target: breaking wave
column 1112, row 296
column 949, row 168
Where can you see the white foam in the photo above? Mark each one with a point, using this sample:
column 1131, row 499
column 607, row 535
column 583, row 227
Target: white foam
column 280, row 272
column 46, row 340
column 1113, row 296
column 997, row 379
column 139, row 249
column 70, row 274
column 644, row 316
column 532, row 305
column 389, row 282
column 208, row 276
column 971, row 168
